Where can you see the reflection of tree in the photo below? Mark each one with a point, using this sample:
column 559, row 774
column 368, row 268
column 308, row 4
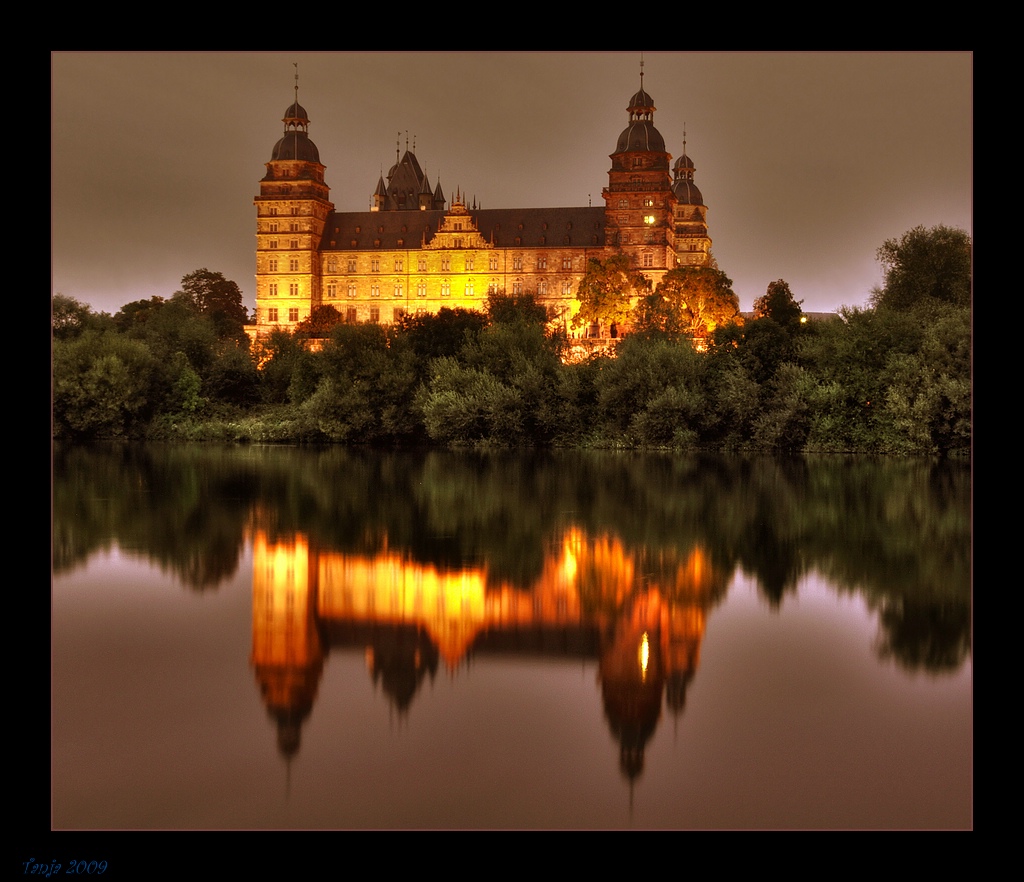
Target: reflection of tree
column 896, row 530
column 932, row 636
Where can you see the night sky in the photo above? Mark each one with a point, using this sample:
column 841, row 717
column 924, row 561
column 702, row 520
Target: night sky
column 808, row 161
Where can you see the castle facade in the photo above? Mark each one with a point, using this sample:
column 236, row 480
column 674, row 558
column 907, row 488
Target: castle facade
column 414, row 252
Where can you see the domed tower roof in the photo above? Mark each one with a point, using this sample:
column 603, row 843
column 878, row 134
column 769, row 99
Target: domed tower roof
column 640, row 135
column 682, row 180
column 295, row 144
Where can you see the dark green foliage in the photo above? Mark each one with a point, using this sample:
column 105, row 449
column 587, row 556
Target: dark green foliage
column 779, row 305
column 321, row 321
column 365, row 387
column 219, row 299
column 503, row 308
column 104, row 386
column 68, row 317
column 651, row 393
column 440, row 335
column 925, row 265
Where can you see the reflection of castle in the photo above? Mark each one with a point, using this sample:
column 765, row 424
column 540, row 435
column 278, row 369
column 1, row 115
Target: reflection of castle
column 407, row 616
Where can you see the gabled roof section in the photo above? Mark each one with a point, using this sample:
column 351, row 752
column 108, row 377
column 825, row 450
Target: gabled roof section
column 501, row 227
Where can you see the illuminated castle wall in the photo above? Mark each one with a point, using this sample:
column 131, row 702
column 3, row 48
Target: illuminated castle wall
column 415, row 252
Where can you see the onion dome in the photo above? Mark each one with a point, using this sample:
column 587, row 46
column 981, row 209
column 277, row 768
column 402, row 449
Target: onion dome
column 682, row 184
column 295, row 143
column 640, row 134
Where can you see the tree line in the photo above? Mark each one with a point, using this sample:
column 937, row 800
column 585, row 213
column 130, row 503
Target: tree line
column 687, row 372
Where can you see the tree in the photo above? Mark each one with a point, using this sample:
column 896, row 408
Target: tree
column 503, row 308
column 923, row 265
column 779, row 305
column 691, row 301
column 608, row 291
column 322, row 319
column 136, row 313
column 221, row 299
column 68, row 317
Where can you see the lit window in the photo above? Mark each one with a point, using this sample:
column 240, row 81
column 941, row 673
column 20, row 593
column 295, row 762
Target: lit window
column 398, row 264
column 623, row 203
column 421, row 288
column 566, row 289
column 351, row 289
column 398, row 289
column 542, row 288
column 567, row 263
column 469, row 264
column 375, row 290
column 446, row 288
column 375, row 265
column 517, row 263
column 648, row 202
column 648, row 218
column 446, row 264
column 469, row 288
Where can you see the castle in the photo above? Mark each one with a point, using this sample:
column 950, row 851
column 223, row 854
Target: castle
column 414, row 252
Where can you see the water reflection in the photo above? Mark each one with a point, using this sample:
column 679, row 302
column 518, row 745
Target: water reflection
column 642, row 617
column 425, row 562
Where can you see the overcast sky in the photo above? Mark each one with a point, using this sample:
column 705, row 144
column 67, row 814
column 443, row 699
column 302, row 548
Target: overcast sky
column 808, row 161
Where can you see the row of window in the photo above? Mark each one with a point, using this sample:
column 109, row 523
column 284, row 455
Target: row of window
column 398, row 289
column 333, row 264
column 351, row 314
column 648, row 202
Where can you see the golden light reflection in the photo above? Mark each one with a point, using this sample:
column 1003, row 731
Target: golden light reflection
column 640, row 613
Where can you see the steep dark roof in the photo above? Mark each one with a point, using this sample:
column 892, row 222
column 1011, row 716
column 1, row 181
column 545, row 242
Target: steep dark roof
column 532, row 227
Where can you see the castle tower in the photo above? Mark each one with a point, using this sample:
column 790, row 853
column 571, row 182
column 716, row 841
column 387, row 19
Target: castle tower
column 291, row 212
column 639, row 197
column 690, row 238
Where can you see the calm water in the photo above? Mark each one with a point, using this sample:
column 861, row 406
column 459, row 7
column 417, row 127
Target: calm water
column 279, row 638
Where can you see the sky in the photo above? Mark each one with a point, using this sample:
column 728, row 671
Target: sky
column 808, row 161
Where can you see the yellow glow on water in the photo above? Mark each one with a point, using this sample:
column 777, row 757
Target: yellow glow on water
column 645, row 654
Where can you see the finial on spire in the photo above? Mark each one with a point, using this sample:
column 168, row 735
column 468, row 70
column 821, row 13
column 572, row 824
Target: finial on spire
column 641, row 71
column 296, row 66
